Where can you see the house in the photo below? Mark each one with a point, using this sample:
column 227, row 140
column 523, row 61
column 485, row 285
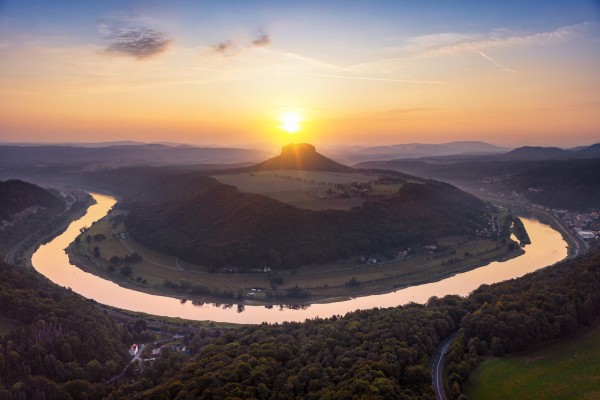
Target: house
column 133, row 350
column 586, row 235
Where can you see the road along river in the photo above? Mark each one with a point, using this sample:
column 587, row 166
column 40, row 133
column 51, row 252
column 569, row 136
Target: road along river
column 547, row 247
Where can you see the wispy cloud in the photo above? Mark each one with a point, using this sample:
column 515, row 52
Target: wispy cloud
column 263, row 39
column 452, row 43
column 226, row 48
column 138, row 42
column 125, row 35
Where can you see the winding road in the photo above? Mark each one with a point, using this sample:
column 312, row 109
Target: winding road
column 437, row 366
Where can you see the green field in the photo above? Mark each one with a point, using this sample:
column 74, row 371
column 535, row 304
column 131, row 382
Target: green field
column 305, row 189
column 564, row 369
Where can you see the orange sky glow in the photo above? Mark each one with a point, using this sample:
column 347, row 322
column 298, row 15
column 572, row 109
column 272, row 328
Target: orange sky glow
column 508, row 85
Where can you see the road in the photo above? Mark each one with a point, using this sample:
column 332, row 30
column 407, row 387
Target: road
column 437, row 366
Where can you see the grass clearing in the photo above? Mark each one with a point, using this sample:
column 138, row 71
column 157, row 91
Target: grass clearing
column 564, row 369
column 313, row 190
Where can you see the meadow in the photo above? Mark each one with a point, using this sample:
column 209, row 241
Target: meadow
column 304, row 189
column 563, row 369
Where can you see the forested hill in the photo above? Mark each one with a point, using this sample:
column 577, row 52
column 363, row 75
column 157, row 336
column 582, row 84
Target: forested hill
column 54, row 345
column 300, row 156
column 211, row 223
column 17, row 196
column 571, row 185
column 27, row 211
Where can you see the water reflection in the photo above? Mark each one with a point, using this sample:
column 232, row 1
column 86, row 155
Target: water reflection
column 547, row 248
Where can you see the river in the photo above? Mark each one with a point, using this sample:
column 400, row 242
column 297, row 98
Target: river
column 547, row 247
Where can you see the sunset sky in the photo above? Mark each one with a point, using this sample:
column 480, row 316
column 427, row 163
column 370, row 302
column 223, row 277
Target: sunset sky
column 342, row 72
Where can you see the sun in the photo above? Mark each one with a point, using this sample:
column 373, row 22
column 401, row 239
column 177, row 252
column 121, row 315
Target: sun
column 290, row 121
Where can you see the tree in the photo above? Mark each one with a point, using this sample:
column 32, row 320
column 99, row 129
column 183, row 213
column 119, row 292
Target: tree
column 497, row 347
column 126, row 270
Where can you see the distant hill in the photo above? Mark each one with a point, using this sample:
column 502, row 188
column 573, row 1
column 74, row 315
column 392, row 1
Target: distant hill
column 300, row 156
column 145, row 154
column 572, row 184
column 565, row 184
column 536, row 153
column 525, row 153
column 592, row 151
column 17, row 196
column 531, row 153
column 417, row 150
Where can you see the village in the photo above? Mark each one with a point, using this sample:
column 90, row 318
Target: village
column 585, row 225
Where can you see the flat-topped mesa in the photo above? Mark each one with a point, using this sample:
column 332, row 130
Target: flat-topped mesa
column 297, row 150
column 301, row 156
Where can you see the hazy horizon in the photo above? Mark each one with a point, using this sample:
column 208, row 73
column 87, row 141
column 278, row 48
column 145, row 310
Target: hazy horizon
column 328, row 73
column 271, row 145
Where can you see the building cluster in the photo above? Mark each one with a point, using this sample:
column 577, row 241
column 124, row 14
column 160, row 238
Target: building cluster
column 401, row 254
column 122, row 235
column 585, row 225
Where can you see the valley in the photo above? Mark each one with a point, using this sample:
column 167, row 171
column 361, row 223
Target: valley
column 299, row 200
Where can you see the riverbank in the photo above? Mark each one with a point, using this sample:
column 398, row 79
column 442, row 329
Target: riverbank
column 159, row 274
column 22, row 252
column 576, row 245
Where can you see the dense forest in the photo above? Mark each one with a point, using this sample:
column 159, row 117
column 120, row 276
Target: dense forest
column 381, row 353
column 223, row 226
column 59, row 346
column 374, row 354
column 571, row 185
